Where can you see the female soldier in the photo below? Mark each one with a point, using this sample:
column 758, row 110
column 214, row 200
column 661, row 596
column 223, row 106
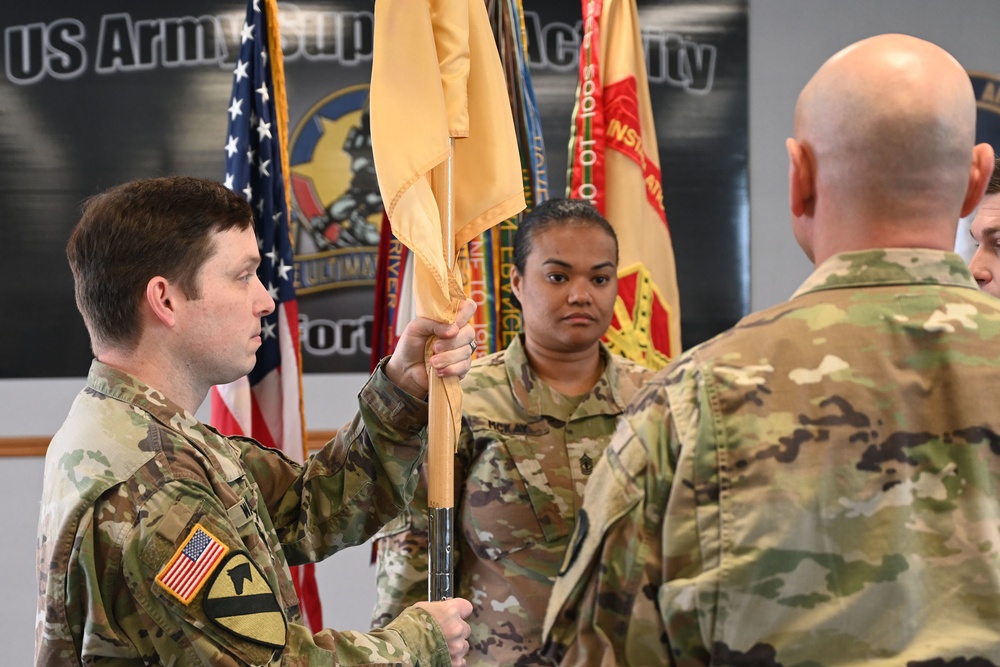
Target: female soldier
column 536, row 417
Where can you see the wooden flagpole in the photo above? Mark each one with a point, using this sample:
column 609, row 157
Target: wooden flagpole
column 441, row 435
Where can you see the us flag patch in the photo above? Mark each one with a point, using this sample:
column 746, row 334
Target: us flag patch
column 192, row 565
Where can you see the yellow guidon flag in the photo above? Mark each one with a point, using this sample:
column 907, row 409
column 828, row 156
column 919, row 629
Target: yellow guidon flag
column 615, row 164
column 436, row 77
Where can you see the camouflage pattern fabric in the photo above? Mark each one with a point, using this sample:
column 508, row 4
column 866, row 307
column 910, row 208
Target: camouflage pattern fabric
column 524, row 456
column 130, row 476
column 817, row 486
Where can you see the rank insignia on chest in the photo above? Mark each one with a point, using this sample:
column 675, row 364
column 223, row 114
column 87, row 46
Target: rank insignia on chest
column 192, row 564
column 586, row 464
column 240, row 600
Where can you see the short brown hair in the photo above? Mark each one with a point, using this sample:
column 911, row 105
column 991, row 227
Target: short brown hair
column 993, row 186
column 136, row 231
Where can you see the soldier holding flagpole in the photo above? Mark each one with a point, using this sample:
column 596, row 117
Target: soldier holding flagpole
column 159, row 538
column 163, row 541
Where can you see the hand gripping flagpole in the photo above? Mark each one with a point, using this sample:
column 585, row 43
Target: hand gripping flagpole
column 441, row 437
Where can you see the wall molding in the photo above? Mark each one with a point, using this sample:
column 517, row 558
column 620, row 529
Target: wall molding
column 36, row 446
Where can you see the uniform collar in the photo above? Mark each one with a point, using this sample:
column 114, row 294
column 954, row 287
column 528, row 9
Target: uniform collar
column 603, row 399
column 889, row 266
column 119, row 385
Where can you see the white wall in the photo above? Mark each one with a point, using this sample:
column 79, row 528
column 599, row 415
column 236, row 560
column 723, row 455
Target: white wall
column 19, row 497
column 789, row 39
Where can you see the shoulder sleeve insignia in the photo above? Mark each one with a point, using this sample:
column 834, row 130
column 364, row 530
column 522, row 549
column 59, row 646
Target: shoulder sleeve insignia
column 193, row 563
column 240, row 600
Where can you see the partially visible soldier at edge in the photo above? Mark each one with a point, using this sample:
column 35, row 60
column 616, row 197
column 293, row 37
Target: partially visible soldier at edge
column 818, row 485
column 161, row 541
column 985, row 230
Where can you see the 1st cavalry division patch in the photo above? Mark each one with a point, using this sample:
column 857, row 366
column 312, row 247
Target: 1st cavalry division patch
column 193, row 563
column 240, row 600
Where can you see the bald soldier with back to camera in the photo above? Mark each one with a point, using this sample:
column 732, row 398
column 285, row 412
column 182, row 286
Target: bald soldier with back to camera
column 163, row 542
column 818, row 485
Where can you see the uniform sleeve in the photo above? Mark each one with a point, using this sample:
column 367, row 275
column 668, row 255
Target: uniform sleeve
column 413, row 638
column 401, row 564
column 74, row 599
column 685, row 488
column 359, row 481
column 197, row 596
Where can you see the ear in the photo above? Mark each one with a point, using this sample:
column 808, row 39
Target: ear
column 979, row 177
column 515, row 282
column 801, row 175
column 160, row 297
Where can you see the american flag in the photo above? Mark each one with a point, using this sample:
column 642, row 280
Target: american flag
column 267, row 404
column 191, row 566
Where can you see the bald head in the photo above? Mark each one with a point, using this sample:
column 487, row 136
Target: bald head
column 887, row 127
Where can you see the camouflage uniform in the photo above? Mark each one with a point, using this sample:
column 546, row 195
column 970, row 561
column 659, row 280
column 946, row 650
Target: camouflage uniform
column 524, row 456
column 131, row 478
column 816, row 486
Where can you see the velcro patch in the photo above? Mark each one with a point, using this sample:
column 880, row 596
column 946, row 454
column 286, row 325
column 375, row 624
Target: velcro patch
column 240, row 600
column 192, row 564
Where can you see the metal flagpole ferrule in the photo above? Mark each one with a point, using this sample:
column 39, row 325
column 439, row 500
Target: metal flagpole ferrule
column 441, row 542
